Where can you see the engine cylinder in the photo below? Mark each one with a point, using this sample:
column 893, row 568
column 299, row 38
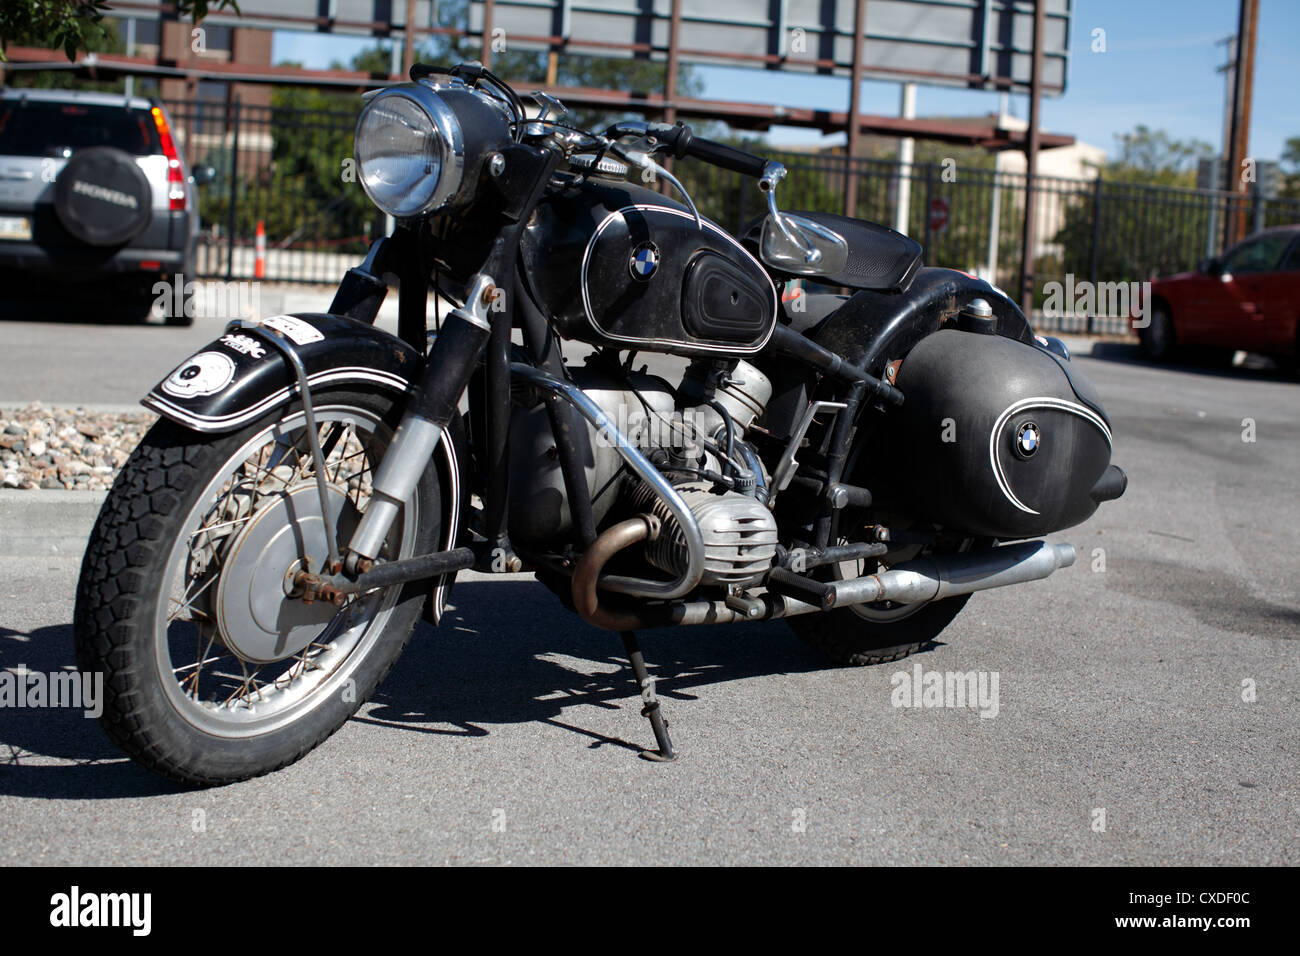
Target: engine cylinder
column 739, row 534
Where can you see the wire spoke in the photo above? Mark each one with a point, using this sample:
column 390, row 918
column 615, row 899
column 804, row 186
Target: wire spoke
column 208, row 668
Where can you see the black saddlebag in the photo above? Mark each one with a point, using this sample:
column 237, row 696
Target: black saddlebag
column 1000, row 438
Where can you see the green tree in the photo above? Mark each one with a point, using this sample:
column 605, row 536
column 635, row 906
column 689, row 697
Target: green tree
column 75, row 26
column 1144, row 223
column 107, row 38
column 1290, row 162
column 1152, row 157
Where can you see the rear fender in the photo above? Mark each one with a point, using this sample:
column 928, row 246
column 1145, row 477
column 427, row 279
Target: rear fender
column 873, row 329
column 242, row 376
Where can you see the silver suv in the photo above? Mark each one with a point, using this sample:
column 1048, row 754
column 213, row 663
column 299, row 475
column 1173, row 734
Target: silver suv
column 94, row 192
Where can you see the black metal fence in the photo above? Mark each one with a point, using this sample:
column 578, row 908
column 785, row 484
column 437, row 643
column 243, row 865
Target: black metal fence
column 288, row 169
column 1087, row 229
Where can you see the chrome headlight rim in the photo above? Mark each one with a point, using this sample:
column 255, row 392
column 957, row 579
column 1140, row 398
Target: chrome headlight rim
column 443, row 120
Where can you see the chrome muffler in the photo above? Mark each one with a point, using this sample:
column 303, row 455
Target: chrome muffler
column 935, row 578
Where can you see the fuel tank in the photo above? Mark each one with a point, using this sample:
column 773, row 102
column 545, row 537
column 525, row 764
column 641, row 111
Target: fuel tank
column 1000, row 438
column 616, row 265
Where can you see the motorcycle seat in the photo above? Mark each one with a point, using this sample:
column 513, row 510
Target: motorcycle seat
column 880, row 259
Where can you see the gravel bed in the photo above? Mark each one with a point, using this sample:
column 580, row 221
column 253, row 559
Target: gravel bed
column 76, row 448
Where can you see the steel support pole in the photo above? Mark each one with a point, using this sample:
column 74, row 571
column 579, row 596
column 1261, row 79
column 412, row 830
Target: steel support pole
column 1031, row 161
column 906, row 153
column 1239, row 145
column 855, row 109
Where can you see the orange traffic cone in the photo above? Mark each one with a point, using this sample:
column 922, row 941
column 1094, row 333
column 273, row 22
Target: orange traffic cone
column 259, row 248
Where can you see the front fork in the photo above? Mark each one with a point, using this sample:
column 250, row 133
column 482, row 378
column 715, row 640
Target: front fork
column 447, row 372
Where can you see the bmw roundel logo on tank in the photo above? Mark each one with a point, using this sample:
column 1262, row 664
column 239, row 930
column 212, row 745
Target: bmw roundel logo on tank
column 1028, row 439
column 644, row 261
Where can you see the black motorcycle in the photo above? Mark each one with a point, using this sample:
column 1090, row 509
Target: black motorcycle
column 848, row 461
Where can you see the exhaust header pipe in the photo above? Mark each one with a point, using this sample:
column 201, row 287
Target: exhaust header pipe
column 926, row 579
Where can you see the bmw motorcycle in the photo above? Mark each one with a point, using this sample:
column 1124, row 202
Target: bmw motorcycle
column 858, row 462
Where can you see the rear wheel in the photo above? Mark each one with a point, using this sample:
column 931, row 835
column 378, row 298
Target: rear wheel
column 880, row 632
column 212, row 672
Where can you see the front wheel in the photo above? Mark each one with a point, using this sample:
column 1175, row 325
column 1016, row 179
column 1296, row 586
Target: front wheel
column 213, row 671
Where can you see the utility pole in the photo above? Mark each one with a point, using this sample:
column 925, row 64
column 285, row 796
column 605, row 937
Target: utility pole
column 906, row 153
column 995, row 202
column 408, row 39
column 129, row 88
column 485, row 54
column 1031, row 161
column 855, row 109
column 1239, row 143
column 670, row 79
column 1218, row 179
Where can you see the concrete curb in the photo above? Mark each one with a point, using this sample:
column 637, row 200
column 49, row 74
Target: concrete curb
column 47, row 523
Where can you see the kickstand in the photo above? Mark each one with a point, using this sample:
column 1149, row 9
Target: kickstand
column 651, row 708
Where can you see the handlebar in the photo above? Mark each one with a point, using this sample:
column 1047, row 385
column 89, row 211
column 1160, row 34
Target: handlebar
column 727, row 157
column 680, row 140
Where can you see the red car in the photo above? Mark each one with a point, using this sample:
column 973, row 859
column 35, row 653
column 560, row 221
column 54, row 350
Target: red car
column 1249, row 299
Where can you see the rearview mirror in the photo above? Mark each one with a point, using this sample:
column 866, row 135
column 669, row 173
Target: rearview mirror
column 779, row 251
column 203, row 175
column 1210, row 266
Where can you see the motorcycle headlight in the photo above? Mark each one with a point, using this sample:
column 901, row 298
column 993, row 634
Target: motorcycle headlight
column 410, row 151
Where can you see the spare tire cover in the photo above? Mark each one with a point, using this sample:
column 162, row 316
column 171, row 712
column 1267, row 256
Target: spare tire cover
column 102, row 197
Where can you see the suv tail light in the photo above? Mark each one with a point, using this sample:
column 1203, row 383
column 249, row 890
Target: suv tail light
column 176, row 195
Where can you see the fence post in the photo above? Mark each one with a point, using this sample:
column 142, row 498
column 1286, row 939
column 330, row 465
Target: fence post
column 232, row 122
column 741, row 211
column 925, row 213
column 1096, row 243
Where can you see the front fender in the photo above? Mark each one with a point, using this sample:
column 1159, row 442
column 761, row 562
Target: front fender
column 241, row 376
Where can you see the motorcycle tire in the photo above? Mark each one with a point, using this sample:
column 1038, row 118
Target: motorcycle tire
column 264, row 677
column 848, row 640
column 876, row 633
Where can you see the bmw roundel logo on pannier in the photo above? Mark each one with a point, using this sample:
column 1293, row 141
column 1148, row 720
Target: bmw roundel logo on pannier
column 1028, row 438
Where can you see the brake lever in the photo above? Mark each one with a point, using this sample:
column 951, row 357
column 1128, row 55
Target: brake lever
column 549, row 104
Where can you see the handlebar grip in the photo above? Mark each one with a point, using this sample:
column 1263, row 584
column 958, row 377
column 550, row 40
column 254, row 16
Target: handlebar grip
column 728, row 157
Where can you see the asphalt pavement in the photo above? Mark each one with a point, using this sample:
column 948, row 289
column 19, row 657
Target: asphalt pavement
column 1147, row 696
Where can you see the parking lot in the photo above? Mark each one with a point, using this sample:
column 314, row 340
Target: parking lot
column 1155, row 681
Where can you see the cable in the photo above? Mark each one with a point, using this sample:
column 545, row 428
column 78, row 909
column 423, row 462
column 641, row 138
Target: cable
column 731, row 431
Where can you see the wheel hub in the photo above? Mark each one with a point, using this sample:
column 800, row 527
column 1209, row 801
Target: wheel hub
column 257, row 618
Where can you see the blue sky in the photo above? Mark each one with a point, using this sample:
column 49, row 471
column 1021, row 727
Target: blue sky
column 1159, row 68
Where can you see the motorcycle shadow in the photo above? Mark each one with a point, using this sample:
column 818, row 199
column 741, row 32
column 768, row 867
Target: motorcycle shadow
column 505, row 653
column 89, row 765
